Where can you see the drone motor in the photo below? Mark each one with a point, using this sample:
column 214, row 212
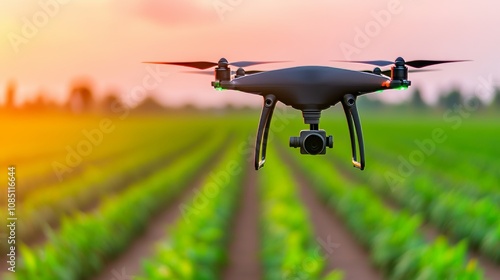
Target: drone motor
column 222, row 71
column 399, row 71
column 240, row 72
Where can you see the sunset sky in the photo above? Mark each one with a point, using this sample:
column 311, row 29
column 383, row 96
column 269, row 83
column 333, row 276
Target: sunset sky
column 47, row 44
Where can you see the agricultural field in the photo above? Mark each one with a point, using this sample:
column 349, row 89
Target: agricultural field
column 176, row 197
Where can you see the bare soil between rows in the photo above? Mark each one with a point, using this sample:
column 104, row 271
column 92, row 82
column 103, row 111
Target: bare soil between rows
column 243, row 255
column 128, row 263
column 345, row 253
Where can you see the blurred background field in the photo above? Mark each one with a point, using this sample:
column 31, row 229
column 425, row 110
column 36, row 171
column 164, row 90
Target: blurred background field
column 172, row 194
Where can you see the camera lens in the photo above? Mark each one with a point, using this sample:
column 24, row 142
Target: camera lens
column 314, row 143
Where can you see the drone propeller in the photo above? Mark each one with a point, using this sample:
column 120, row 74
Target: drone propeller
column 211, row 73
column 388, row 72
column 412, row 63
column 202, row 65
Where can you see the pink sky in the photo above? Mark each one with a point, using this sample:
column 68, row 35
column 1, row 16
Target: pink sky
column 106, row 41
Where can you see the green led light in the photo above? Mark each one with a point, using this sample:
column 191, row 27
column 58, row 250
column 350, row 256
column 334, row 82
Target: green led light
column 379, row 91
column 217, row 86
column 402, row 88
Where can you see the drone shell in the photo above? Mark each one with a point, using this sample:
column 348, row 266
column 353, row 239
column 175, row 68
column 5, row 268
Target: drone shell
column 309, row 87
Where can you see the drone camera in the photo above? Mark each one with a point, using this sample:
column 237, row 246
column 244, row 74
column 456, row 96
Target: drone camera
column 312, row 142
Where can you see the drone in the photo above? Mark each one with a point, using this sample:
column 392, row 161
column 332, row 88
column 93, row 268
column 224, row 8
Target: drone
column 311, row 89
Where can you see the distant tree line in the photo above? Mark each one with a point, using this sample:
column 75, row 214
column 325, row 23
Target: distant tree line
column 81, row 99
column 446, row 100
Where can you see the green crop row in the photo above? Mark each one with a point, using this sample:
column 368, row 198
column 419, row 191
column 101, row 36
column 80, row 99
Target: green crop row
column 47, row 205
column 457, row 156
column 37, row 167
column 465, row 210
column 478, row 179
column 392, row 237
column 48, row 136
column 40, row 174
column 197, row 243
column 474, row 220
column 453, row 212
column 407, row 128
column 87, row 240
column 289, row 248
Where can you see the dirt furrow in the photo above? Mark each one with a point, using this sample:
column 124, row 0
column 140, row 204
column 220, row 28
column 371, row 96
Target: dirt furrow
column 128, row 263
column 340, row 248
column 243, row 256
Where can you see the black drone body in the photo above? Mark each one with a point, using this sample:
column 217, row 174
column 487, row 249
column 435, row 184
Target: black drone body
column 310, row 89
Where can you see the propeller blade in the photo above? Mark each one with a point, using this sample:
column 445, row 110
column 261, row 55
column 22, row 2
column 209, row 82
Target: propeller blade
column 388, row 72
column 412, row 63
column 207, row 73
column 202, row 65
column 251, row 63
column 194, row 64
column 211, row 73
column 372, row 62
column 425, row 63
column 423, row 70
